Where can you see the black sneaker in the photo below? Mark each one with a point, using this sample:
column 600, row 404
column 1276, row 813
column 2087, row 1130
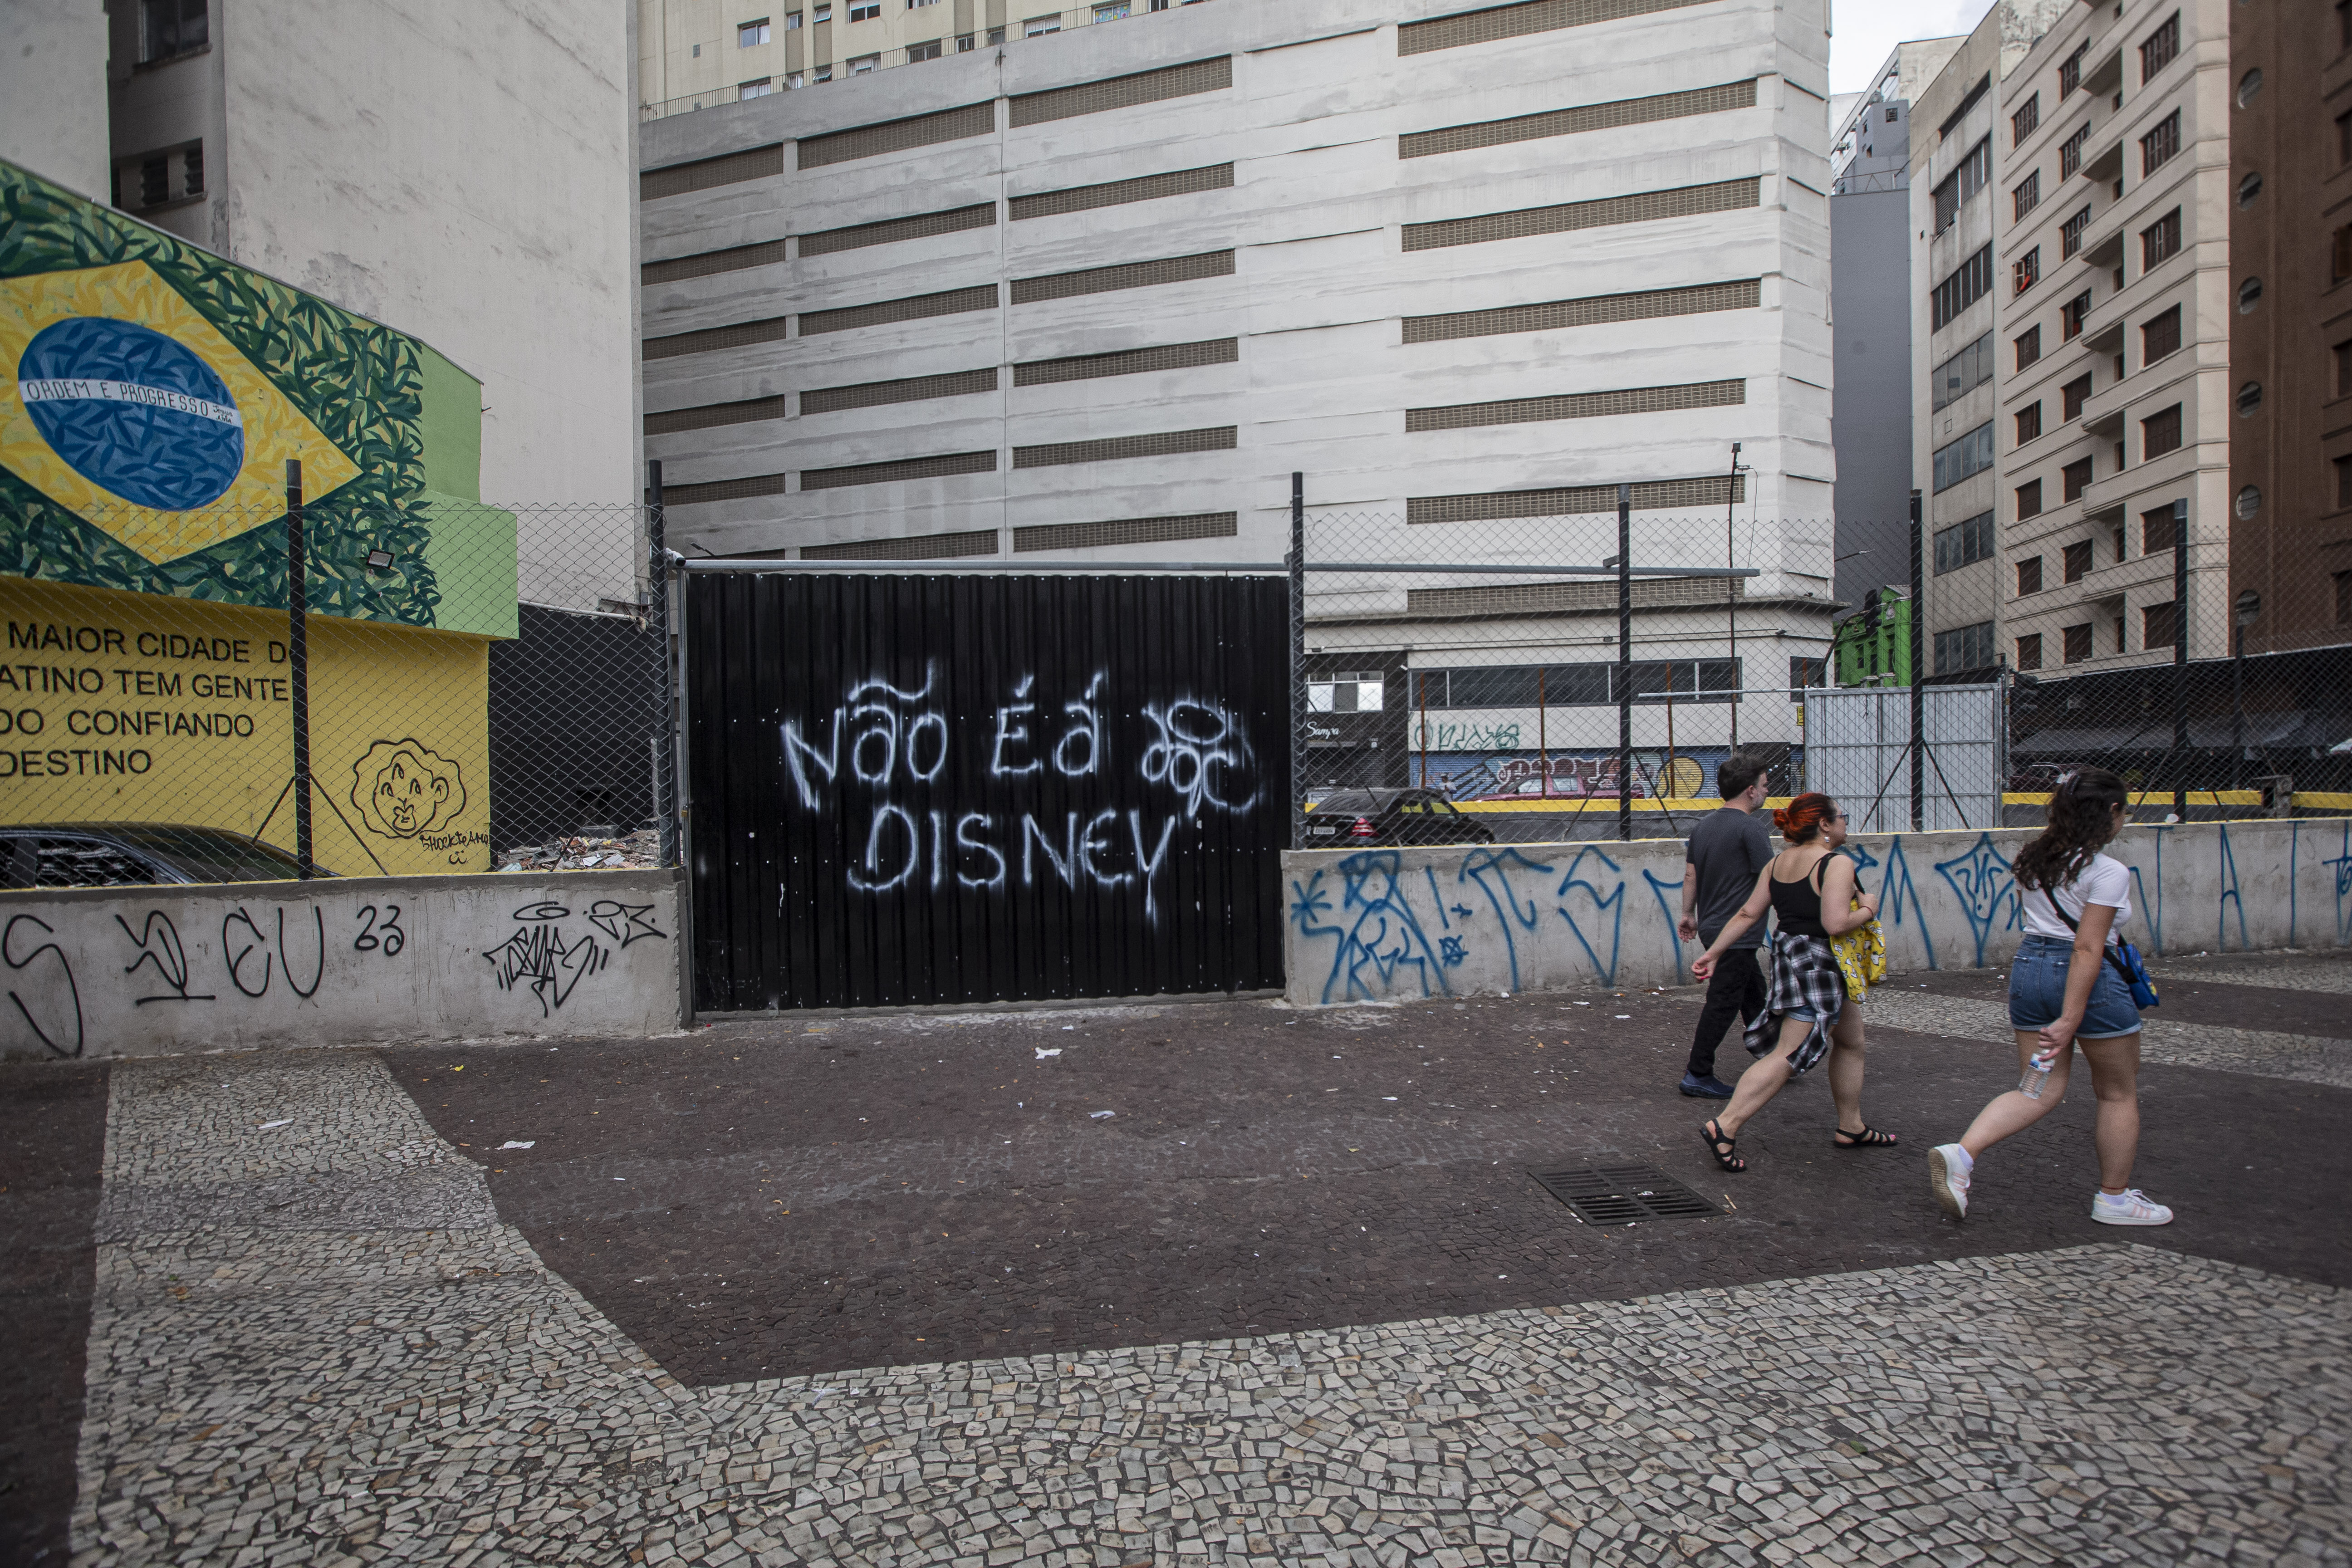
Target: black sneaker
column 1708, row 1087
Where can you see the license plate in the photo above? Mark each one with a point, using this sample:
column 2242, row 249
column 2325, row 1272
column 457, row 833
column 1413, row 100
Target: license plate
column 1323, row 832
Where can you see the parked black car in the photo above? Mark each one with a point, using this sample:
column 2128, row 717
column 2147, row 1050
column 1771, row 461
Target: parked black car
column 130, row 854
column 1358, row 819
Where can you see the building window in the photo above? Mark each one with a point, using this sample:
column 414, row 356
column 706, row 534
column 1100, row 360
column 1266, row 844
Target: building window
column 2344, row 138
column 2156, row 148
column 2070, row 234
column 2157, row 533
column 864, row 63
column 2249, row 188
column 2069, row 153
column 2249, row 87
column 2071, row 314
column 2159, row 432
column 2077, row 642
column 1968, row 283
column 2027, row 272
column 2160, row 242
column 2029, row 577
column 2029, row 346
column 2158, row 626
column 865, row 10
column 170, row 28
column 2248, row 399
column 155, row 183
column 2344, row 24
column 2339, row 255
column 2028, row 503
column 821, row 14
column 1965, row 648
column 2028, row 422
column 824, row 73
column 917, row 53
column 2028, row 652
column 1113, row 12
column 2343, row 481
column 2070, row 73
column 2074, row 561
column 2075, row 479
column 2027, row 196
column 796, row 80
column 1972, row 454
column 192, row 170
column 760, row 88
column 2344, row 598
column 1963, row 372
column 1961, row 185
column 2160, row 48
column 2159, row 336
column 749, row 34
column 1038, row 27
column 2022, row 124
column 995, row 37
column 2073, row 395
column 1964, row 543
column 792, row 21
column 1804, row 674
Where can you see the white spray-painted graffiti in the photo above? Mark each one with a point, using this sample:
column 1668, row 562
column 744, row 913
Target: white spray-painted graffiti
column 897, row 742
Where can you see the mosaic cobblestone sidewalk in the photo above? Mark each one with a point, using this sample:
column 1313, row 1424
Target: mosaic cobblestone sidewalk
column 314, row 1342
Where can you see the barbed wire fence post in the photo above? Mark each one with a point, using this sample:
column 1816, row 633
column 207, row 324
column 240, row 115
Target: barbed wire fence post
column 1298, row 703
column 298, row 665
column 658, row 607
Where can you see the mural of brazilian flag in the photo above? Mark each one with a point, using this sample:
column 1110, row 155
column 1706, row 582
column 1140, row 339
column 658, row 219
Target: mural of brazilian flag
column 151, row 394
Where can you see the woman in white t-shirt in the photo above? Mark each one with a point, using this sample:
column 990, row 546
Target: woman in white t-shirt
column 2066, row 990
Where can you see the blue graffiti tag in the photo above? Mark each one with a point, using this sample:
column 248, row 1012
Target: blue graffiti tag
column 1658, row 886
column 1896, row 893
column 1491, row 869
column 1987, row 893
column 1450, row 949
column 1614, row 901
column 2342, row 865
column 1377, row 930
column 2228, row 896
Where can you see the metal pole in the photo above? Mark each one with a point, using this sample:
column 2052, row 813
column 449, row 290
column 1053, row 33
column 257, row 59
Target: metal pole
column 2179, row 657
column 1625, row 663
column 297, row 663
column 1297, row 562
column 1917, row 649
column 657, row 595
column 1543, row 741
column 1732, row 593
column 1424, row 732
column 2238, row 708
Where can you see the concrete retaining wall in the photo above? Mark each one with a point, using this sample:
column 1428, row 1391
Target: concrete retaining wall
column 1379, row 924
column 148, row 971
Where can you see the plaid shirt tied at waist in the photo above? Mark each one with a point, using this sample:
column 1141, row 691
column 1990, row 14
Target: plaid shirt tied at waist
column 1805, row 975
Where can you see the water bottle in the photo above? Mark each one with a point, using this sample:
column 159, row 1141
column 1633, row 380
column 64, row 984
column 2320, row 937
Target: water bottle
column 2037, row 1074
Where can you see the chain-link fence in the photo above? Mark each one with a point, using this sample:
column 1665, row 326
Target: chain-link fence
column 468, row 688
column 1576, row 665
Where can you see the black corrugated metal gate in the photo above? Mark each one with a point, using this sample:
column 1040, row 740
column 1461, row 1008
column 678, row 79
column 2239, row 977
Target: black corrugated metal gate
column 969, row 788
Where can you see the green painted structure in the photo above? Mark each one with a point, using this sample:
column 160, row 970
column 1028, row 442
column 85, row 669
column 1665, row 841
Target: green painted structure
column 1872, row 646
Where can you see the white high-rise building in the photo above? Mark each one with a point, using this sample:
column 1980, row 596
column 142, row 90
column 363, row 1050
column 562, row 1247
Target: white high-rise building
column 1102, row 292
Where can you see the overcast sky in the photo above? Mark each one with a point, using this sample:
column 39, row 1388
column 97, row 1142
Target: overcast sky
column 1864, row 32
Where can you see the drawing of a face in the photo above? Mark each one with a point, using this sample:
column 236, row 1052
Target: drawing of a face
column 402, row 789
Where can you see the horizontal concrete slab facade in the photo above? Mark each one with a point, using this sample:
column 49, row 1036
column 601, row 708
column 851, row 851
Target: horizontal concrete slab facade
column 106, row 972
column 1488, row 919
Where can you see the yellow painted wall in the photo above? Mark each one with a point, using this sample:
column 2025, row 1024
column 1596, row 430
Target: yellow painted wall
column 118, row 707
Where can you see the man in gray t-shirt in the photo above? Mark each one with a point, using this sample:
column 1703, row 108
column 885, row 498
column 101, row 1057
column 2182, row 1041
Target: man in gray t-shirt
column 1726, row 849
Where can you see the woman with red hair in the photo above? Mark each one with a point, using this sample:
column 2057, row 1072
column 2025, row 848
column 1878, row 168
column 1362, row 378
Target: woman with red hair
column 1812, row 894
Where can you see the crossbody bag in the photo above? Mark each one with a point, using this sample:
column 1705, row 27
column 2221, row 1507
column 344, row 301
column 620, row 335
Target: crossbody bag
column 2123, row 955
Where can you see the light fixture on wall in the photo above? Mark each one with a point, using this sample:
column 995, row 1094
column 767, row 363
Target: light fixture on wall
column 379, row 559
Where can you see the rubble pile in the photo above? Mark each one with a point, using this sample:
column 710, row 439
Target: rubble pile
column 596, row 849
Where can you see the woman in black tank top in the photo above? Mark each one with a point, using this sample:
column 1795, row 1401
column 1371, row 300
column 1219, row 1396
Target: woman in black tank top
column 1812, row 894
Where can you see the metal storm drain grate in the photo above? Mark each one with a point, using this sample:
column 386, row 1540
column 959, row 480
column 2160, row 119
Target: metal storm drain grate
column 1622, row 1194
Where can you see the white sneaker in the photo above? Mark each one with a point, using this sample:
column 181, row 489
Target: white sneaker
column 2129, row 1207
column 1949, row 1168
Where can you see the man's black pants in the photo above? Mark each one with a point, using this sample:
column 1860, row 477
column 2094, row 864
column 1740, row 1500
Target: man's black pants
column 1735, row 994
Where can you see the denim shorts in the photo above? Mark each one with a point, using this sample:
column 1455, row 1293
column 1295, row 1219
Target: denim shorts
column 2037, row 992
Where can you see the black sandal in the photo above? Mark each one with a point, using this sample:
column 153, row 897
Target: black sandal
column 1868, row 1138
column 1721, row 1147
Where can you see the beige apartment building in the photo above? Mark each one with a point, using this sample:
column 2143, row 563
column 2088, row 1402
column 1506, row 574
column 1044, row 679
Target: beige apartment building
column 699, row 54
column 2073, row 202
